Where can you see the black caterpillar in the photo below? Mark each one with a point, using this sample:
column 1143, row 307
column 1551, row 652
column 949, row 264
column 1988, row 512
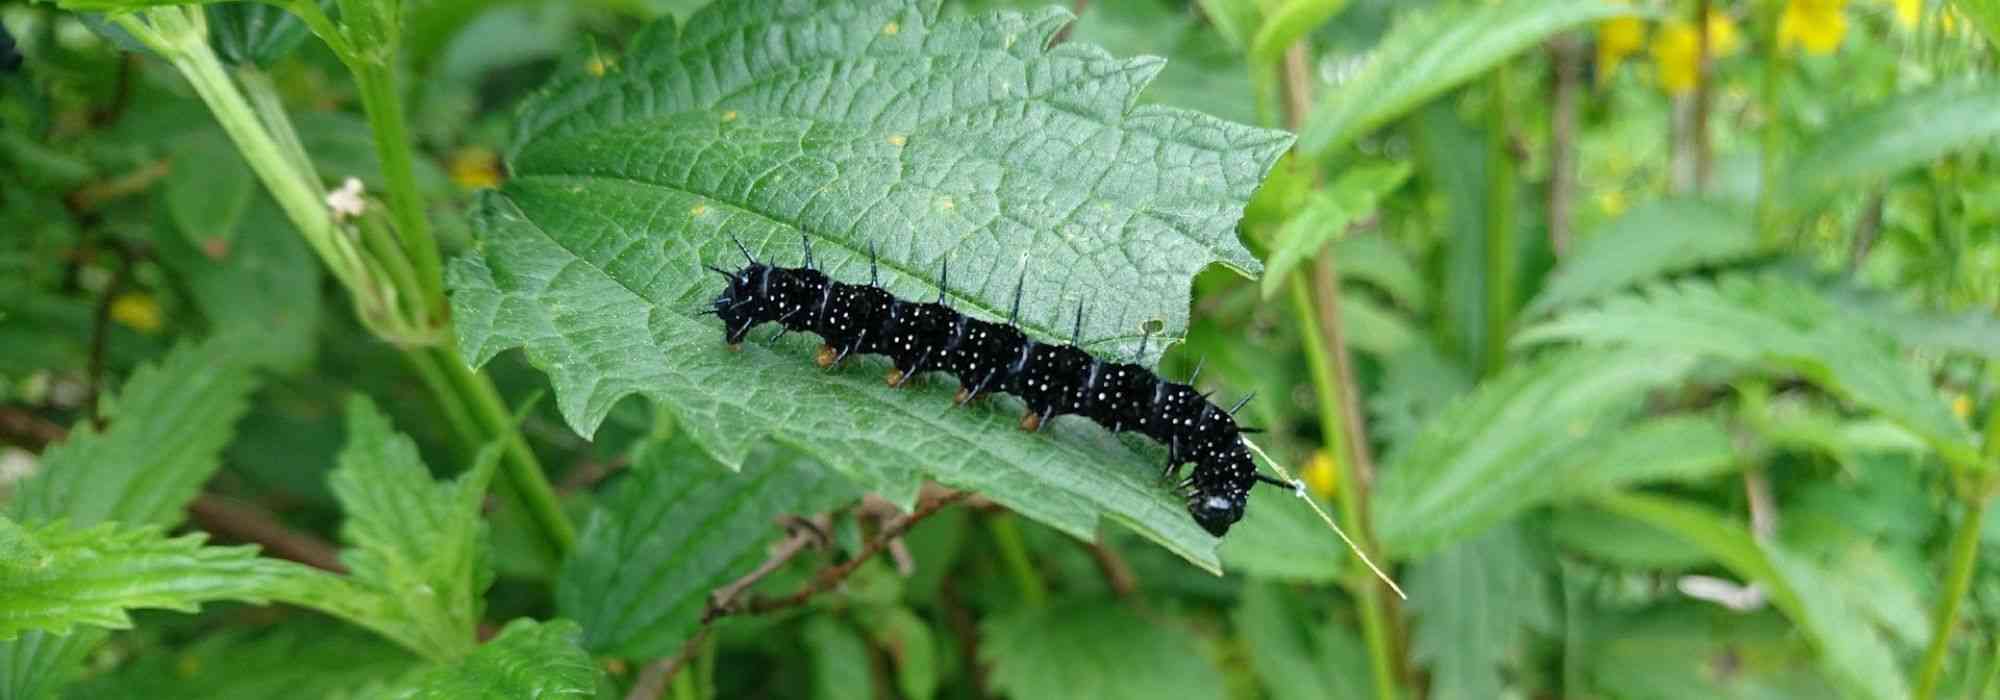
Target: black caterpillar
column 992, row 357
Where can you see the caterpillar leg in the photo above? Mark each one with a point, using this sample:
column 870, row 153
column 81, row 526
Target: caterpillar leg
column 1031, row 421
column 826, row 356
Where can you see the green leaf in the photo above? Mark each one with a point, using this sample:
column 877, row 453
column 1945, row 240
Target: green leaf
column 303, row 657
column 1474, row 604
column 1540, row 432
column 677, row 527
column 910, row 644
column 1655, row 239
column 168, row 423
column 1093, row 648
column 1289, row 22
column 1985, row 15
column 1294, row 658
column 418, row 547
column 851, row 125
column 1374, row 259
column 839, row 660
column 254, row 33
column 1781, row 322
column 208, row 189
column 1691, row 649
column 1886, row 139
column 261, row 287
column 1851, row 652
column 1432, row 52
column 528, row 659
column 1620, row 541
column 1327, row 215
column 54, row 578
column 1373, row 328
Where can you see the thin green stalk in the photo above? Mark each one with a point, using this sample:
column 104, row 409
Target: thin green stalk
column 1014, row 554
column 270, row 108
column 1958, row 580
column 1500, row 205
column 524, row 471
column 470, row 437
column 1366, row 591
column 384, row 107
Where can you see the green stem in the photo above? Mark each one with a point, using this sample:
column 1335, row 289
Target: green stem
column 270, row 108
column 524, row 471
column 1500, row 204
column 470, row 437
column 1014, row 554
column 384, row 106
column 1958, row 580
column 1366, row 591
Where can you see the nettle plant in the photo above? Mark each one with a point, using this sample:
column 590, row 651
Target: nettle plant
column 650, row 488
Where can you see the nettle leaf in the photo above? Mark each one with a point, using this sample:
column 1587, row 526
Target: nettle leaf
column 1432, row 52
column 1778, row 321
column 420, row 552
column 1851, row 651
column 1552, row 430
column 859, row 124
column 1090, row 648
column 1327, row 215
column 168, row 425
column 1654, row 239
column 528, row 659
column 302, row 657
column 1880, row 141
column 1474, row 604
column 677, row 526
column 54, row 577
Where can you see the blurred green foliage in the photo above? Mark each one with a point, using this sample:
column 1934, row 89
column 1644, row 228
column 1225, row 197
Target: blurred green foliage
column 1655, row 354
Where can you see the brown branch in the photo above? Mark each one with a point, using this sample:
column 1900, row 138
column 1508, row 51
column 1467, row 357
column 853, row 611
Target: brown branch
column 245, row 522
column 727, row 600
column 832, row 576
column 1117, row 574
column 19, row 426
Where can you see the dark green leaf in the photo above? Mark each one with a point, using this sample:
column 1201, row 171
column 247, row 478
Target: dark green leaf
column 839, row 660
column 1881, row 141
column 528, row 660
column 1475, row 603
column 208, row 188
column 418, row 547
column 1327, row 215
column 679, row 526
column 253, row 33
column 851, row 125
column 304, row 657
column 1092, row 648
column 1291, row 661
column 261, row 288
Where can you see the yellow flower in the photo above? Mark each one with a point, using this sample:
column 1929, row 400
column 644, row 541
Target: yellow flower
column 1961, row 405
column 475, row 168
column 1616, row 39
column 1908, row 13
column 1816, row 25
column 1322, row 475
column 1676, row 52
column 137, row 311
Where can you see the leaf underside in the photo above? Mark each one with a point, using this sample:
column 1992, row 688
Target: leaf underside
column 858, row 125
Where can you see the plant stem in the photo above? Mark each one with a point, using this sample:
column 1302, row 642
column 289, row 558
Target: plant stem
column 1500, row 183
column 1958, row 579
column 1367, row 592
column 384, row 106
column 524, row 471
column 1774, row 72
column 1014, row 554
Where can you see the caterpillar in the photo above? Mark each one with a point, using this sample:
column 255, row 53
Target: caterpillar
column 987, row 357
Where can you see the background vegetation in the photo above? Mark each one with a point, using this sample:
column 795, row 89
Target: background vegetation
column 1650, row 345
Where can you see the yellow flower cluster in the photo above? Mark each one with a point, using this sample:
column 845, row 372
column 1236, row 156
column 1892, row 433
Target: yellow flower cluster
column 1677, row 51
column 1815, row 25
column 1322, row 476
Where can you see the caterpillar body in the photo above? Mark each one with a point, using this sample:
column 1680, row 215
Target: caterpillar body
column 987, row 357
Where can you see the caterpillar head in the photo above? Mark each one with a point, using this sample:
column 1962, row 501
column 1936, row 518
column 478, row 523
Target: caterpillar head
column 1217, row 506
column 741, row 303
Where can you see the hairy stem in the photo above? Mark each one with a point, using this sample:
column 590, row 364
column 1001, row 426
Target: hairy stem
column 384, row 106
column 1500, row 184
